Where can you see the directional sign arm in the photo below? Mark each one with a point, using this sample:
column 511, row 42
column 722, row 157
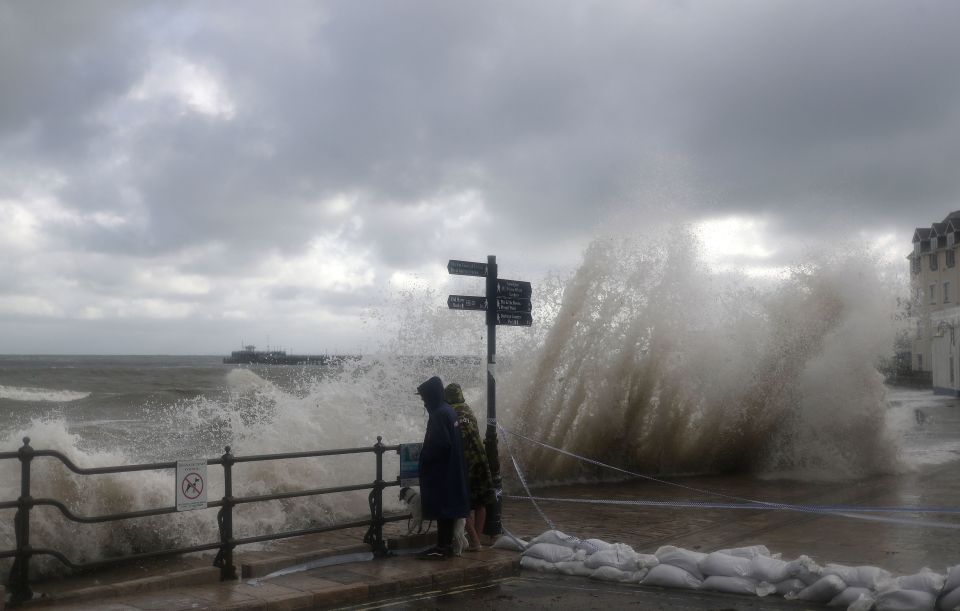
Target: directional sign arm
column 466, row 268
column 466, row 302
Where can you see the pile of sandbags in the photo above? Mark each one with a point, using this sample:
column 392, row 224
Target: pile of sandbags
column 950, row 595
column 556, row 552
column 749, row 570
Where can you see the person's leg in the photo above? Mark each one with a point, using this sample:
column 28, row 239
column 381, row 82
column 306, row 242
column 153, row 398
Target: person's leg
column 445, row 534
column 480, row 520
column 444, row 547
column 472, row 531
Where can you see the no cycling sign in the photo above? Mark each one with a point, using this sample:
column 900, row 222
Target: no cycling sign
column 191, row 484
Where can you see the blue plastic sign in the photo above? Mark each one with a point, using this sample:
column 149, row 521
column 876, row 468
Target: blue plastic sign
column 410, row 464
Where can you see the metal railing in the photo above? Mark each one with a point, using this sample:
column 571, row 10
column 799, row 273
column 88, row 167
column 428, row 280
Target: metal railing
column 19, row 582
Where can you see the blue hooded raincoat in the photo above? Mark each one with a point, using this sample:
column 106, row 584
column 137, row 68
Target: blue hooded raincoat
column 443, row 472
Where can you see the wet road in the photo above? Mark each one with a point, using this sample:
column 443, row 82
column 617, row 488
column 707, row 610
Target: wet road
column 536, row 591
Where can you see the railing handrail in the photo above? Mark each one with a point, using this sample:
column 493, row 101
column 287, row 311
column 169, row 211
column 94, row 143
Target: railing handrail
column 19, row 582
column 157, row 466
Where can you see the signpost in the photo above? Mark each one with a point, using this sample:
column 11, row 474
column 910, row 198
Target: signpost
column 510, row 301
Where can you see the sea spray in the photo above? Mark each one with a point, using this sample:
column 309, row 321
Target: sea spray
column 317, row 409
column 656, row 364
column 642, row 358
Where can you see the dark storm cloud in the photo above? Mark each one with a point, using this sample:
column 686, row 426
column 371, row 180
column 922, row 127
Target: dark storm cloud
column 209, row 138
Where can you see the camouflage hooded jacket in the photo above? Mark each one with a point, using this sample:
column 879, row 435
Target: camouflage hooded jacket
column 480, row 479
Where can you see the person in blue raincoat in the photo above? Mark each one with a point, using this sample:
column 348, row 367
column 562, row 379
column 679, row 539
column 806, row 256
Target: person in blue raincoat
column 444, row 494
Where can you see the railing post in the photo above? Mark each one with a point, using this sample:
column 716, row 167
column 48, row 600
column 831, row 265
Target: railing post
column 19, row 574
column 224, row 558
column 374, row 536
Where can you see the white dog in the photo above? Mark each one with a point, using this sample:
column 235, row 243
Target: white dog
column 412, row 499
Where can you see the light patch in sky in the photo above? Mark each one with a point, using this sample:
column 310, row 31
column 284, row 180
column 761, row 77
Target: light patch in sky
column 169, row 281
column 192, row 85
column 328, row 264
column 889, row 247
column 27, row 305
column 734, row 236
column 18, row 225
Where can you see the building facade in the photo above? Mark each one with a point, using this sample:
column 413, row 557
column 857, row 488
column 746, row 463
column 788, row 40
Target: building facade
column 934, row 282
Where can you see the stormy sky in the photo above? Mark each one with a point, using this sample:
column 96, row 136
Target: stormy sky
column 176, row 177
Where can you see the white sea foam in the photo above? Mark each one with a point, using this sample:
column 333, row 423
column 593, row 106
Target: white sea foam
column 21, row 393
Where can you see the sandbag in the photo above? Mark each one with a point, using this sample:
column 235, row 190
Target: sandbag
column 537, row 564
column 925, row 581
column 724, row 565
column 807, row 571
column 858, row 576
column 573, row 567
column 950, row 600
column 549, row 552
column 510, row 542
column 771, row 570
column 864, row 602
column 670, row 576
column 823, row 590
column 749, row 552
column 615, row 557
column 953, row 579
column 789, row 587
column 609, row 573
column 591, row 546
column 848, row 596
column 681, row 558
column 730, row 585
column 905, row 600
column 556, row 537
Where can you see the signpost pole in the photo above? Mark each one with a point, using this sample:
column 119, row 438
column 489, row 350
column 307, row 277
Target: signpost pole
column 493, row 525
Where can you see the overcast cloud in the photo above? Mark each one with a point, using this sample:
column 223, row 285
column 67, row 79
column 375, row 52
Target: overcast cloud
column 177, row 176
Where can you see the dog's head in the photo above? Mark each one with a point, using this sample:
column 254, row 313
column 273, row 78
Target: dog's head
column 407, row 494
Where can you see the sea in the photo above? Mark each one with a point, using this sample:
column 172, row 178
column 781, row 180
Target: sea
column 640, row 361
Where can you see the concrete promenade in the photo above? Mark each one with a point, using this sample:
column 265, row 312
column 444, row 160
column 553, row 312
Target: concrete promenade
column 901, row 548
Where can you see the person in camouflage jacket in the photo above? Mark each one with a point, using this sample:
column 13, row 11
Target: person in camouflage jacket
column 480, row 480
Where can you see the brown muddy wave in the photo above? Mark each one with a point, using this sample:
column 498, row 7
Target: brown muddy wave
column 655, row 364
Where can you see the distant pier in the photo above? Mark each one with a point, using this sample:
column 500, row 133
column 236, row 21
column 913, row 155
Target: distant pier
column 251, row 356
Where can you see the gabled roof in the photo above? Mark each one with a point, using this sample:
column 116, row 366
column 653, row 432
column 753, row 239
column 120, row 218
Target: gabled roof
column 938, row 229
column 953, row 215
column 953, row 224
column 921, row 233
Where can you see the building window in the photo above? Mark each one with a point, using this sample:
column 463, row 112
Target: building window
column 933, row 293
column 919, row 362
column 915, row 265
column 951, row 239
column 951, row 370
column 933, row 261
column 946, row 292
column 951, row 257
